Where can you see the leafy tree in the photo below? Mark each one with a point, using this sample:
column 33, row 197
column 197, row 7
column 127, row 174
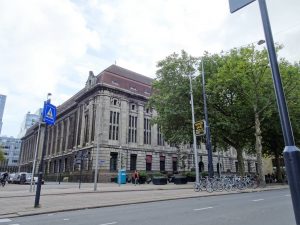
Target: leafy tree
column 2, row 158
column 272, row 133
column 171, row 100
column 171, row 97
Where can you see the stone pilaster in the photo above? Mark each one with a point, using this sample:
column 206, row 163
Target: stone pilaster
column 123, row 122
column 140, row 125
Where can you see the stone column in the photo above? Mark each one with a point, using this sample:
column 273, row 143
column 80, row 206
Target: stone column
column 123, row 122
column 140, row 125
column 67, row 133
column 91, row 107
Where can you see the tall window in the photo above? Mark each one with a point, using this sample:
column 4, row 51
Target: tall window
column 65, row 122
column 174, row 164
column 147, row 132
column 58, row 137
column 79, row 124
column 113, row 161
column 162, row 163
column 114, row 125
column 160, row 139
column 93, row 123
column 132, row 127
column 148, row 162
column 66, row 165
column 133, row 158
column 86, row 128
column 237, row 167
column 71, row 131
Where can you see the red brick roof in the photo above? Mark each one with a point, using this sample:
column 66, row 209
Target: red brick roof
column 125, row 79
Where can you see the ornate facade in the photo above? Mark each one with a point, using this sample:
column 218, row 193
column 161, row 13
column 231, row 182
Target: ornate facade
column 110, row 113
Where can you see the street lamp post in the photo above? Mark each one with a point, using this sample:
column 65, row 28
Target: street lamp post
column 194, row 136
column 97, row 162
column 119, row 166
column 208, row 143
column 35, row 155
column 291, row 153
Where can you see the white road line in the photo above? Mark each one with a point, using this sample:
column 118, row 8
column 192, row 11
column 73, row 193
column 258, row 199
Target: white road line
column 14, row 224
column 66, row 219
column 51, row 214
column 288, row 195
column 4, row 220
column 108, row 223
column 257, row 200
column 203, row 208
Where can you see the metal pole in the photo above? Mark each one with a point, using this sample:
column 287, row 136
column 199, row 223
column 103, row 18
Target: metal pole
column 97, row 162
column 41, row 169
column 208, row 144
column 119, row 167
column 194, row 134
column 81, row 165
column 291, row 153
column 35, row 155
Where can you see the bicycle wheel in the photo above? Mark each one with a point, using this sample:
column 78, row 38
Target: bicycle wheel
column 209, row 187
column 197, row 187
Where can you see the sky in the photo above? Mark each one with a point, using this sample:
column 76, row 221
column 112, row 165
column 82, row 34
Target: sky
column 49, row 46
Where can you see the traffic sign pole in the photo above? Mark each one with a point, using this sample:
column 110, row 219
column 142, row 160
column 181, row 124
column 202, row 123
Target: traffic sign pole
column 41, row 169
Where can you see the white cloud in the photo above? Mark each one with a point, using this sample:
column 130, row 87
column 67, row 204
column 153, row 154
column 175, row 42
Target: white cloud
column 39, row 40
column 50, row 46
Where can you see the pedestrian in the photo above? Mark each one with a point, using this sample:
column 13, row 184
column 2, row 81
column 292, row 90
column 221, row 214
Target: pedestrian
column 136, row 177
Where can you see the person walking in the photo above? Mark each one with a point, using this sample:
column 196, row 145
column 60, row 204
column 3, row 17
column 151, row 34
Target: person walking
column 136, row 177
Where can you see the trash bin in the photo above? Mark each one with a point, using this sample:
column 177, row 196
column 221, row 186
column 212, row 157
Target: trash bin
column 122, row 176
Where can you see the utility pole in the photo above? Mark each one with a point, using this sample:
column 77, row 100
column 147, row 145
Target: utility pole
column 291, row 152
column 194, row 135
column 208, row 143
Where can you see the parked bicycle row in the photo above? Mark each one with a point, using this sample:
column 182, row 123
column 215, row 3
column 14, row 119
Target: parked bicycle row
column 226, row 183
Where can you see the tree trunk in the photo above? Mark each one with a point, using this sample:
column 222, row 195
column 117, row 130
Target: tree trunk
column 258, row 147
column 241, row 164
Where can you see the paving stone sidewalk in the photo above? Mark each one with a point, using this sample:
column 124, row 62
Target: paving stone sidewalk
column 16, row 200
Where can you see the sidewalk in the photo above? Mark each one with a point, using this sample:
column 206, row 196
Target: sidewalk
column 16, row 200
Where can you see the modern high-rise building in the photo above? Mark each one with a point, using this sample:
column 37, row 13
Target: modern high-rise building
column 11, row 149
column 29, row 120
column 2, row 105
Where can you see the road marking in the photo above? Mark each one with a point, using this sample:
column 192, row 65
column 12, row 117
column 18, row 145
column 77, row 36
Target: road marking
column 66, row 219
column 4, row 220
column 257, row 200
column 203, row 208
column 14, row 224
column 51, row 214
column 108, row 223
column 288, row 195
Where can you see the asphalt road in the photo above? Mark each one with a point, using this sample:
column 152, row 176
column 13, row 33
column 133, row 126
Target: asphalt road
column 260, row 208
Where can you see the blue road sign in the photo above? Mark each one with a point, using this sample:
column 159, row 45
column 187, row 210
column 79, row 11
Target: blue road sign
column 49, row 113
column 235, row 5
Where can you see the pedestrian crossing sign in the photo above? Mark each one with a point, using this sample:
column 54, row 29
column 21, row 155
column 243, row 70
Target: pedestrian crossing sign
column 49, row 113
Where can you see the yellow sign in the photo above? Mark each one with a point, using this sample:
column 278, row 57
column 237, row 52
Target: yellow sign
column 200, row 127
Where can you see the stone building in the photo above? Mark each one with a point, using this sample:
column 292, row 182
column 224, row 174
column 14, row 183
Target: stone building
column 110, row 113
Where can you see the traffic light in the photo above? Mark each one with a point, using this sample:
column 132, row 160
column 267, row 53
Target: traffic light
column 200, row 127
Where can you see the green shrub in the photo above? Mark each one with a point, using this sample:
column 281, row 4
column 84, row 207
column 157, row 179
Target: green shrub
column 158, row 174
column 204, row 174
column 143, row 174
column 191, row 174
